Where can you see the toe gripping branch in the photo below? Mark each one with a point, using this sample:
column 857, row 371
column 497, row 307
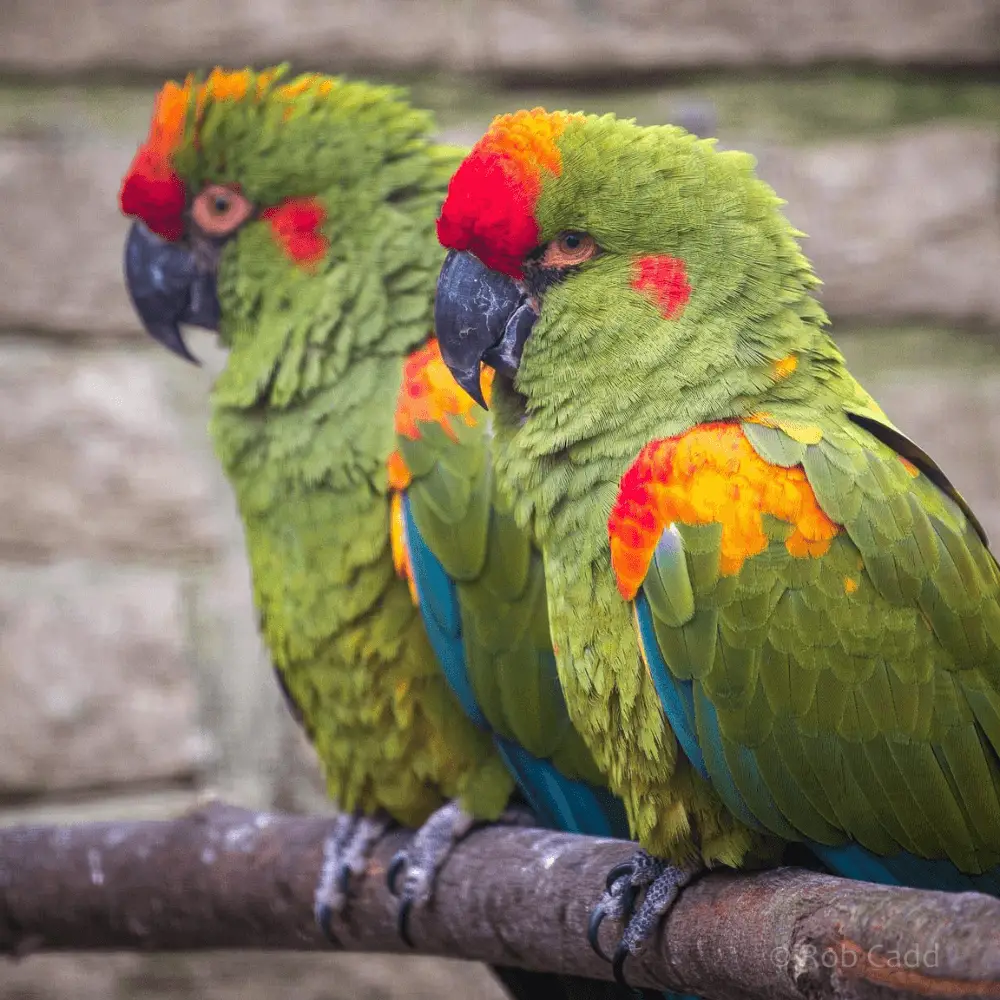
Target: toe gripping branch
column 662, row 883
column 413, row 871
column 346, row 852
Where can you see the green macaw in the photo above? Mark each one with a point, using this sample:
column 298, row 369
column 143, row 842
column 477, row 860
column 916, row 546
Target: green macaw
column 296, row 219
column 775, row 619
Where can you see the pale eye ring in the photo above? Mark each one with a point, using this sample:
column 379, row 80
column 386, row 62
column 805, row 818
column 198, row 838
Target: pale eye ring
column 569, row 249
column 220, row 209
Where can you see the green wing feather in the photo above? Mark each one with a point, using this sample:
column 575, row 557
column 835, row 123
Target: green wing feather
column 856, row 695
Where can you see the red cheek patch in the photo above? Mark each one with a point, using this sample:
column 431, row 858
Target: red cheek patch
column 295, row 223
column 664, row 281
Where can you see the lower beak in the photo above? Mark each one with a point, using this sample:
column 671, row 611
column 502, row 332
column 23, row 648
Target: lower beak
column 168, row 287
column 480, row 316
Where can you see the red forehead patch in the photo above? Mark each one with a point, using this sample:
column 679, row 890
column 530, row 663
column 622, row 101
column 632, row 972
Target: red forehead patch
column 490, row 208
column 151, row 191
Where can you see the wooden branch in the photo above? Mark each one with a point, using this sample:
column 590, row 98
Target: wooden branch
column 228, row 878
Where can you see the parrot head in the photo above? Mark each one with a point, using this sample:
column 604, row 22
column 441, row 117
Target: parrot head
column 594, row 262
column 294, row 217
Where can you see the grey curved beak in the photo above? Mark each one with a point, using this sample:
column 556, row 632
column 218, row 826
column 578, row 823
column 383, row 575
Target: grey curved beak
column 480, row 317
column 168, row 287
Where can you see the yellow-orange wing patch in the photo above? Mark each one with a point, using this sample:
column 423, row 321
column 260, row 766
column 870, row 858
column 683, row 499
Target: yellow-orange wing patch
column 397, row 540
column 784, row 367
column 802, row 433
column 428, row 394
column 710, row 475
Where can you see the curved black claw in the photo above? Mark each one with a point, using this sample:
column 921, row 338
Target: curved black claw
column 403, row 921
column 619, row 871
column 618, row 965
column 344, row 878
column 618, row 902
column 324, row 919
column 597, row 916
column 662, row 883
column 397, row 865
column 413, row 871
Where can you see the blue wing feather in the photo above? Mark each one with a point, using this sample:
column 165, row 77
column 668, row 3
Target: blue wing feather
column 573, row 806
column 441, row 616
column 558, row 801
column 676, row 695
column 854, row 862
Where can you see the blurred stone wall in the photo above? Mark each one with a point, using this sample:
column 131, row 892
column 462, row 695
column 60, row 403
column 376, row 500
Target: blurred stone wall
column 131, row 678
column 548, row 38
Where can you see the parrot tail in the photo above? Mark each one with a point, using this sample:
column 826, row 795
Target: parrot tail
column 854, row 862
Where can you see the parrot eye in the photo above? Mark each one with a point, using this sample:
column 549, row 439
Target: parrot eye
column 219, row 210
column 568, row 249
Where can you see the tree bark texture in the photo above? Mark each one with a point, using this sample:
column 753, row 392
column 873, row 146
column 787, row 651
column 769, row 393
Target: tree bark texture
column 227, row 878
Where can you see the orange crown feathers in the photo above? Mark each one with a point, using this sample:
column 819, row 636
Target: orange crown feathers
column 490, row 208
column 151, row 190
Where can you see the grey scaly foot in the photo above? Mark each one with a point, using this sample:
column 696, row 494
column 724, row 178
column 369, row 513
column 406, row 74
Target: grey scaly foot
column 413, row 870
column 662, row 882
column 345, row 853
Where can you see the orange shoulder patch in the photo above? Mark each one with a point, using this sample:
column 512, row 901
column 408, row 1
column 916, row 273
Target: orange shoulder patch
column 710, row 475
column 430, row 394
column 399, row 474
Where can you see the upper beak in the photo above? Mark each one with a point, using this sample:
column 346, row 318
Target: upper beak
column 479, row 316
column 169, row 286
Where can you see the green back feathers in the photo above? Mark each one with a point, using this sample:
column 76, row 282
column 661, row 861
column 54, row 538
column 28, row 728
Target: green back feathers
column 500, row 587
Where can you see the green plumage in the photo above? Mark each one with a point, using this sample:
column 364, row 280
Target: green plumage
column 302, row 421
column 850, row 695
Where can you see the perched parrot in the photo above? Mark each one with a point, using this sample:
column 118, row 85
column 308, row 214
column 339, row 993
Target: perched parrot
column 775, row 619
column 296, row 219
